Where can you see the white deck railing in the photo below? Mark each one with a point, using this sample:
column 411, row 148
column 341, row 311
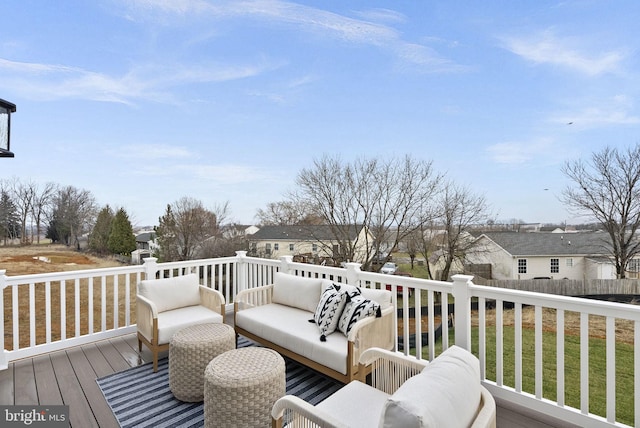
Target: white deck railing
column 48, row 312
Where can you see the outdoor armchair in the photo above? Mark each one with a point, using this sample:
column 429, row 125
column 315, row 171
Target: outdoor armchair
column 167, row 305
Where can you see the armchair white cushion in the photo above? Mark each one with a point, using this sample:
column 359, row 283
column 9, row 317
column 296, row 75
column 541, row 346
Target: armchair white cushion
column 167, row 305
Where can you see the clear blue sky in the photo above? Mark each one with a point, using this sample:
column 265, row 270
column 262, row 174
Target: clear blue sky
column 145, row 101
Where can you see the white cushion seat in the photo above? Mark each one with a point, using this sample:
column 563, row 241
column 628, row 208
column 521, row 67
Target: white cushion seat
column 169, row 322
column 356, row 404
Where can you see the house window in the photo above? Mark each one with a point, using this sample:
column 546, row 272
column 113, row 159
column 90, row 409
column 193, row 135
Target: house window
column 522, row 265
column 291, row 247
column 555, row 265
column 569, row 262
column 314, row 248
column 267, row 248
column 276, row 246
column 633, row 265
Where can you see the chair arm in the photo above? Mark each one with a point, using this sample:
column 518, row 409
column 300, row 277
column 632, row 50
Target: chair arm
column 486, row 416
column 251, row 297
column 146, row 312
column 212, row 299
column 372, row 332
column 389, row 369
column 295, row 412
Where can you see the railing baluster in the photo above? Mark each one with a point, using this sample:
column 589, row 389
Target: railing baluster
column 518, row 346
column 499, row 343
column 77, row 305
column 90, row 304
column 431, row 325
column 417, row 302
column 47, row 311
column 32, row 314
column 538, row 352
column 584, row 363
column 611, row 368
column 63, row 309
column 482, row 336
column 115, row 301
column 16, row 317
column 560, row 357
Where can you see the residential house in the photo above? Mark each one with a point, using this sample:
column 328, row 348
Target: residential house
column 528, row 255
column 311, row 243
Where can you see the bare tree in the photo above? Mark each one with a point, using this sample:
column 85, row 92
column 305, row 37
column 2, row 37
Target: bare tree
column 42, row 204
column 461, row 210
column 185, row 228
column 287, row 213
column 22, row 194
column 388, row 197
column 73, row 215
column 607, row 189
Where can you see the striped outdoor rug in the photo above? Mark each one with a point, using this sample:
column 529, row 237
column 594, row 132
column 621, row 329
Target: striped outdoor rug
column 141, row 398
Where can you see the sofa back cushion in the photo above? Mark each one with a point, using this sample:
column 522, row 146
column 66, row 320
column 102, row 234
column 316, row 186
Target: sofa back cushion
column 171, row 293
column 297, row 291
column 445, row 394
column 382, row 297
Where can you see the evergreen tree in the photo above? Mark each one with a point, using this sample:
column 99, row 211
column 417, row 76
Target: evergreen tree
column 99, row 237
column 121, row 239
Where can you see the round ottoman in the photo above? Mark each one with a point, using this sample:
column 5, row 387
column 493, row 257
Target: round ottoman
column 190, row 350
column 241, row 386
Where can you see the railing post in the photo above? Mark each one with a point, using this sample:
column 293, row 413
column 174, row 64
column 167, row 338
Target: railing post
column 240, row 278
column 3, row 354
column 286, row 261
column 353, row 273
column 462, row 310
column 150, row 267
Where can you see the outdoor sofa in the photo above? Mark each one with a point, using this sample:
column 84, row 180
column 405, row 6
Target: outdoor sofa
column 284, row 316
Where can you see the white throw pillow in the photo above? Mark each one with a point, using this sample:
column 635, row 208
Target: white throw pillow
column 356, row 309
column 328, row 311
column 171, row 293
column 445, row 394
column 296, row 291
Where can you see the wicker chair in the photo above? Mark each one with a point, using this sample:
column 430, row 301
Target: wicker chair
column 404, row 391
column 167, row 305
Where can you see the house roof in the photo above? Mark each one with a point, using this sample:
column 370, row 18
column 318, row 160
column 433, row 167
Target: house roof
column 302, row 233
column 145, row 236
column 551, row 244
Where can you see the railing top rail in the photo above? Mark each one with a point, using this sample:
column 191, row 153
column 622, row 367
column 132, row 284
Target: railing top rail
column 63, row 275
column 568, row 303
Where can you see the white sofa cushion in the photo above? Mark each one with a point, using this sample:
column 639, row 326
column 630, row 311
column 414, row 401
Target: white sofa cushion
column 383, row 297
column 169, row 322
column 171, row 293
column 296, row 291
column 356, row 405
column 329, row 309
column 290, row 328
column 445, row 394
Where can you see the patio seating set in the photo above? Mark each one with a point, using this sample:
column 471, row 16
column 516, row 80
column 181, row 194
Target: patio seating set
column 343, row 331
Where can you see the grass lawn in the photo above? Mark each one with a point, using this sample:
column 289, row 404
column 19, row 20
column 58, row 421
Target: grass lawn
column 597, row 369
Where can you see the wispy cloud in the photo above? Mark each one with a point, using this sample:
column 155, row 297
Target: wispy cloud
column 519, row 152
column 148, row 82
column 617, row 110
column 547, row 48
column 149, row 152
column 366, row 30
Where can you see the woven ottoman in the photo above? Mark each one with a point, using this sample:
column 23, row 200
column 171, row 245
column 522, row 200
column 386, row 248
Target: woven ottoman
column 190, row 350
column 241, row 386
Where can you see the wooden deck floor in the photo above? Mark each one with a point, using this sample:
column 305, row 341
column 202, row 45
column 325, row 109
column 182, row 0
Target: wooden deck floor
column 69, row 377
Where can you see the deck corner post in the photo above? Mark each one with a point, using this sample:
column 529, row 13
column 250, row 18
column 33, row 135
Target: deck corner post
column 353, row 273
column 462, row 310
column 241, row 273
column 150, row 267
column 286, row 262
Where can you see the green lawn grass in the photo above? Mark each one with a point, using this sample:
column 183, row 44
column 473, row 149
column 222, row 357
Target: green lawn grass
column 597, row 369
